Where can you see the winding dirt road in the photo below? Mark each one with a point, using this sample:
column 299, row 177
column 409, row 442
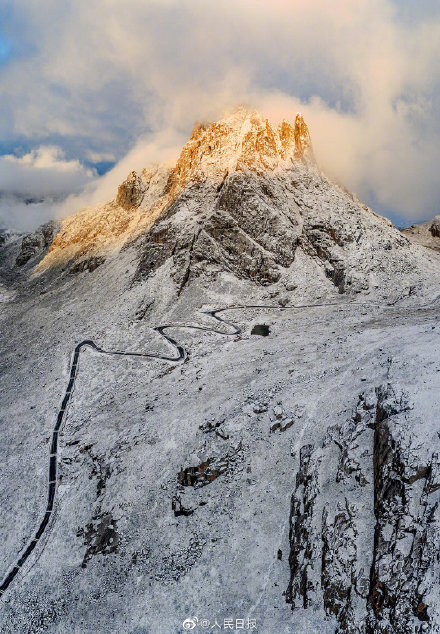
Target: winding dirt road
column 181, row 354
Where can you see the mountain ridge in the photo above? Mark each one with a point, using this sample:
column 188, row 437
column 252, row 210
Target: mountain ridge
column 242, row 140
column 244, row 196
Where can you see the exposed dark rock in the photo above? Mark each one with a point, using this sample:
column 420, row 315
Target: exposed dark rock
column 204, row 473
column 143, row 308
column 435, row 227
column 427, row 234
column 253, row 225
column 407, row 530
column 372, row 452
column 37, row 243
column 187, row 497
column 178, row 508
column 100, row 537
column 88, row 264
column 3, row 236
column 320, row 240
column 339, row 556
column 280, row 427
column 249, row 231
column 302, row 588
column 210, row 427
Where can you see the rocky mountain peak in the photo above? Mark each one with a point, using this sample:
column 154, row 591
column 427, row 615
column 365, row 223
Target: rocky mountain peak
column 245, row 197
column 242, row 140
column 434, row 229
column 303, row 144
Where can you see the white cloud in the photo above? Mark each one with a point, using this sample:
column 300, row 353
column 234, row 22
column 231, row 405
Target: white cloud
column 100, row 157
column 32, row 186
column 19, row 215
column 162, row 147
column 42, row 173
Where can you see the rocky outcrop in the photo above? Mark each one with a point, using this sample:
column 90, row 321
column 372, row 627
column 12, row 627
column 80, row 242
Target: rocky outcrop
column 203, row 473
column 130, row 192
column 37, row 243
column 253, row 225
column 190, row 480
column 95, row 231
column 246, row 229
column 100, row 537
column 3, row 236
column 427, row 234
column 383, row 494
column 407, row 530
column 319, row 239
column 87, row 264
column 303, row 144
column 434, row 229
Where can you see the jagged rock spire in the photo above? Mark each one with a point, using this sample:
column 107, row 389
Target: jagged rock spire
column 130, row 192
column 303, row 143
column 242, row 140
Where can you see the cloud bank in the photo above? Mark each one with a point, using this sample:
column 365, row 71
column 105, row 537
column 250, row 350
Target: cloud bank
column 32, row 186
column 124, row 81
column 42, row 173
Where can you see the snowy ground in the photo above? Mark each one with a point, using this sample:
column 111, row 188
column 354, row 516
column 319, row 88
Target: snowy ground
column 129, row 548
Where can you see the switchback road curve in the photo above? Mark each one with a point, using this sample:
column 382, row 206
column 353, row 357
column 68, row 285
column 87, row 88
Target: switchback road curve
column 180, row 356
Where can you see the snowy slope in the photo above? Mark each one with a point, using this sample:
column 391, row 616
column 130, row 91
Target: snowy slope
column 290, row 479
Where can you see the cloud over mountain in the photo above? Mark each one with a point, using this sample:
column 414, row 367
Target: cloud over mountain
column 100, row 81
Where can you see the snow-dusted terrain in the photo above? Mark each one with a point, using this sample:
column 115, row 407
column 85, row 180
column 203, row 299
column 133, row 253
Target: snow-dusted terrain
column 427, row 233
column 287, row 481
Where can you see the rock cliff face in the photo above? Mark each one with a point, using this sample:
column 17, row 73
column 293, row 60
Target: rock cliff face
column 369, row 553
column 259, row 226
column 37, row 243
column 434, row 229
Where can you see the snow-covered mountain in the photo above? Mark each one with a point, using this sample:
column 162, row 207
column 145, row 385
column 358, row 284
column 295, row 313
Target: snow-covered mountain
column 246, row 197
column 163, row 461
